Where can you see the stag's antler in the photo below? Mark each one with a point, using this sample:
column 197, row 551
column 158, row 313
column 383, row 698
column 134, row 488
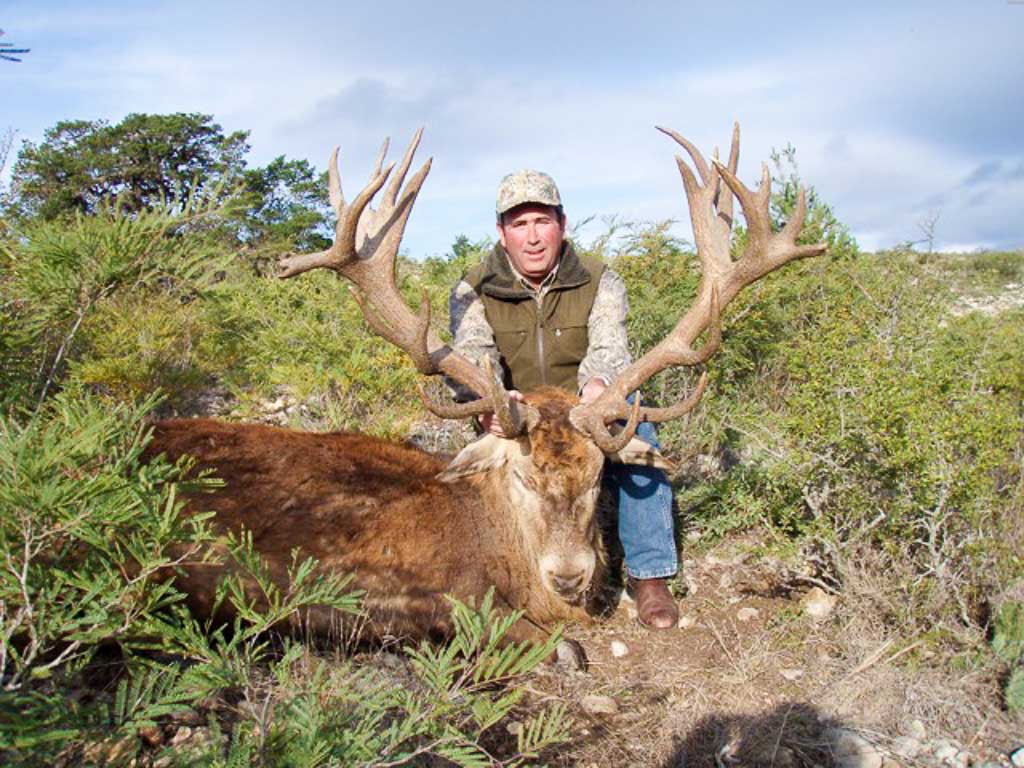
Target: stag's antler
column 365, row 247
column 721, row 279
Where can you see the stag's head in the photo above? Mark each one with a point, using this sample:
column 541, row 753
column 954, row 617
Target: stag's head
column 549, row 466
column 549, row 476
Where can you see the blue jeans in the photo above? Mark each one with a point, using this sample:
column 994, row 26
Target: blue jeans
column 645, row 514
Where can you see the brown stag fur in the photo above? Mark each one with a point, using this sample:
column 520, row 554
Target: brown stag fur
column 512, row 514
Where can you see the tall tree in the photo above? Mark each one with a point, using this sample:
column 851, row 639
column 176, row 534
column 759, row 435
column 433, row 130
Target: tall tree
column 285, row 205
column 141, row 161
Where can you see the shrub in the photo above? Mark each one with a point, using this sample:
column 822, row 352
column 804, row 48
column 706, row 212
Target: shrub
column 59, row 274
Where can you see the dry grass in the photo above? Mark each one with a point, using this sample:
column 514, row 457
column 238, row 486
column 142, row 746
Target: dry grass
column 766, row 690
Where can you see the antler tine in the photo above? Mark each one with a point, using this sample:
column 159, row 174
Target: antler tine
column 610, row 443
column 391, row 193
column 365, row 250
column 692, row 151
column 511, row 414
column 724, row 202
column 381, row 154
column 682, row 407
column 448, row 410
column 334, row 192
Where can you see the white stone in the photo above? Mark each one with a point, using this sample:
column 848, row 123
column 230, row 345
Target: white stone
column 791, row 674
column 852, row 750
column 746, row 614
column 906, row 747
column 599, row 705
column 619, row 649
column 818, row 604
column 1017, row 757
column 948, row 753
column 917, row 730
column 685, row 622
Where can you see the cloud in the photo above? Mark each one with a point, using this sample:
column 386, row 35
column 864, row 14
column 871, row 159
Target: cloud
column 893, row 114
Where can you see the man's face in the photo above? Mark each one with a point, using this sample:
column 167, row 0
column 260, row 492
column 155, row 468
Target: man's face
column 532, row 234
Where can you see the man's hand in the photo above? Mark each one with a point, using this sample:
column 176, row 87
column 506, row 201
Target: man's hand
column 491, row 424
column 592, row 389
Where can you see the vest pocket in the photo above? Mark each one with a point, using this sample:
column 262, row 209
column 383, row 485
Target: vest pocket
column 568, row 344
column 510, row 346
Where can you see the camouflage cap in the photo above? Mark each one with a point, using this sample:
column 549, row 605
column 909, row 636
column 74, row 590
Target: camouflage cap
column 526, row 187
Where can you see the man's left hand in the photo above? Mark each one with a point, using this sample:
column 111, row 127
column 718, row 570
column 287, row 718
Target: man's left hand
column 592, row 389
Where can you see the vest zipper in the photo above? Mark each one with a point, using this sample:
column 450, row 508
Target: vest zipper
column 540, row 340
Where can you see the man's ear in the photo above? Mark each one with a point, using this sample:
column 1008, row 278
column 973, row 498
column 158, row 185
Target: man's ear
column 501, row 232
column 641, row 453
column 483, row 455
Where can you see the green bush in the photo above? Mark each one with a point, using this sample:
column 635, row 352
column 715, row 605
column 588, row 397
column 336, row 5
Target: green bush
column 83, row 529
column 58, row 275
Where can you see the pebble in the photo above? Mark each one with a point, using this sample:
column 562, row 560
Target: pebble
column 514, row 728
column 852, row 750
column 619, row 649
column 746, row 614
column 685, row 622
column 791, row 674
column 917, row 730
column 906, row 747
column 818, row 604
column 948, row 753
column 599, row 705
column 1017, row 756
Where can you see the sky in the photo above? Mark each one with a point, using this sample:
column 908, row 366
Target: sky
column 901, row 112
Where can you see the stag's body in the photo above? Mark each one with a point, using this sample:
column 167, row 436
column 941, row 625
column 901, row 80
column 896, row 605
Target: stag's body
column 379, row 510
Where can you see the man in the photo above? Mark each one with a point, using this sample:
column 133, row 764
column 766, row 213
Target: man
column 550, row 318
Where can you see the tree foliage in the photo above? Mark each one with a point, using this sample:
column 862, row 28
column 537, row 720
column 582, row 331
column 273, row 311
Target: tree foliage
column 141, row 162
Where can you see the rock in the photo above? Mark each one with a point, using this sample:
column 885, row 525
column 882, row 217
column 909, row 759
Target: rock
column 1017, row 756
column 685, row 622
column 948, row 753
column 746, row 614
column 599, row 705
column 514, row 728
column 570, row 656
column 852, row 750
column 917, row 731
column 619, row 649
column 182, row 735
column 818, row 604
column 906, row 747
column 791, row 674
column 691, row 584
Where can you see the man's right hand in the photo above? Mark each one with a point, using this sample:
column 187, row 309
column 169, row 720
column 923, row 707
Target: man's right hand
column 491, row 424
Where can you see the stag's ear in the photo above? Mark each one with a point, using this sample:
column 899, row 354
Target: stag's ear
column 642, row 453
column 483, row 455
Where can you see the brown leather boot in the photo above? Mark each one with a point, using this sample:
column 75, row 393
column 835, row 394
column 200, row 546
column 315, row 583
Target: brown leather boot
column 655, row 606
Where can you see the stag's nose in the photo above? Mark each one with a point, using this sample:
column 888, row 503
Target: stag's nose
column 568, row 583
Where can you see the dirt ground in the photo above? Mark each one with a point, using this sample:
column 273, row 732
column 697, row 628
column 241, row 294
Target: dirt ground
column 750, row 679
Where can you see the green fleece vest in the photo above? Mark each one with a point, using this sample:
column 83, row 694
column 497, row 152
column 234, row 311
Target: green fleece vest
column 540, row 343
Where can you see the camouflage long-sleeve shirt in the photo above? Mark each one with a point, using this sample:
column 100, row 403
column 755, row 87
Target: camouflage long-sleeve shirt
column 607, row 345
